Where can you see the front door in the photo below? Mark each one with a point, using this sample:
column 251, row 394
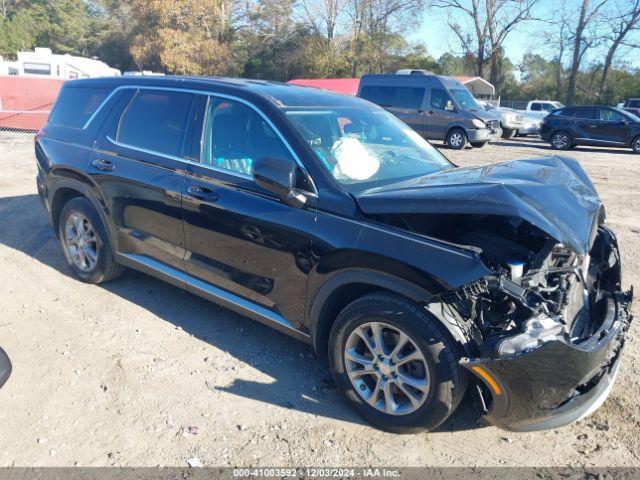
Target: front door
column 438, row 117
column 614, row 127
column 140, row 170
column 239, row 237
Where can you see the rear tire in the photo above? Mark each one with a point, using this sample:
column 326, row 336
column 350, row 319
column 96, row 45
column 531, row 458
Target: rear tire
column 85, row 243
column 382, row 395
column 478, row 144
column 635, row 144
column 457, row 139
column 561, row 140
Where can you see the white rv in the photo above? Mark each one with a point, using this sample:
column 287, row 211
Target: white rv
column 43, row 63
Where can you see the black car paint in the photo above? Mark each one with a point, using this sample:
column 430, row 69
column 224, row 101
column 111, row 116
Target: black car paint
column 234, row 229
column 5, row 367
column 552, row 193
column 591, row 132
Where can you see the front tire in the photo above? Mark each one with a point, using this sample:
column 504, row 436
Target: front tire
column 85, row 243
column 508, row 134
column 457, row 139
column 561, row 140
column 396, row 364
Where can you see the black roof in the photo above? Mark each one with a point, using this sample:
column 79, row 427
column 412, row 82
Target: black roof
column 278, row 93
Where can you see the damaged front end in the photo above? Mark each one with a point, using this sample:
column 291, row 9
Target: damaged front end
column 545, row 328
column 548, row 333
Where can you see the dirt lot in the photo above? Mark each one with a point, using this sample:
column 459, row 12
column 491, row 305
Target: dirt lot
column 137, row 372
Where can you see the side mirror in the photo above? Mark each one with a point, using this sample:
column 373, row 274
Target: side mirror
column 5, row 367
column 278, row 175
column 449, row 106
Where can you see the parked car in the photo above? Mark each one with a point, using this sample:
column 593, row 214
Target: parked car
column 632, row 105
column 438, row 108
column 511, row 121
column 591, row 125
column 327, row 218
column 5, row 367
column 541, row 108
column 530, row 124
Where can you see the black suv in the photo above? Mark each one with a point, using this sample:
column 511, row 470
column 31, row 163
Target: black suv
column 329, row 219
column 597, row 126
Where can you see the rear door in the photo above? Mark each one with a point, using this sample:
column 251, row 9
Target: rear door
column 406, row 103
column 239, row 237
column 586, row 123
column 139, row 166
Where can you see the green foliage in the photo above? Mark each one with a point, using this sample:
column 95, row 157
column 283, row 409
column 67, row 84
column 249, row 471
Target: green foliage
column 270, row 39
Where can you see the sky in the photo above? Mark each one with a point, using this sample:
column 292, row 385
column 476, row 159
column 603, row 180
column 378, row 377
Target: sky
column 436, row 35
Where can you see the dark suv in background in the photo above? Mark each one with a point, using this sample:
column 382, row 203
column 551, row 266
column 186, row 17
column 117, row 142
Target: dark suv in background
column 327, row 218
column 591, row 125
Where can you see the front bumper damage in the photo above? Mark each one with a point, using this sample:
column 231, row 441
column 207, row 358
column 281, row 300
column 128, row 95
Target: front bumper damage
column 559, row 382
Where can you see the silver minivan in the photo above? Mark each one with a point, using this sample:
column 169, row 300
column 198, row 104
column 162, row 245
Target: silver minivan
column 437, row 107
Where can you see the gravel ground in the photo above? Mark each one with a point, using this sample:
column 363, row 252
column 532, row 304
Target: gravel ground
column 136, row 372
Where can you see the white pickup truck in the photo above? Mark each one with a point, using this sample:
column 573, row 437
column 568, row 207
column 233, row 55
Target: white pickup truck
column 541, row 108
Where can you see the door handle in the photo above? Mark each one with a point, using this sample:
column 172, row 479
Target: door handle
column 103, row 165
column 202, row 193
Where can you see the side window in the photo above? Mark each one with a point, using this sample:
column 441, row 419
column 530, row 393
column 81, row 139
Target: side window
column 75, row 105
column 408, row 97
column 379, row 95
column 156, row 121
column 586, row 113
column 236, row 135
column 610, row 115
column 566, row 112
column 398, row 97
column 536, row 107
column 439, row 98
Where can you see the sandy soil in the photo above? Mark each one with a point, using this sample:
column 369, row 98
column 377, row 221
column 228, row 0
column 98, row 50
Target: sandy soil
column 136, row 372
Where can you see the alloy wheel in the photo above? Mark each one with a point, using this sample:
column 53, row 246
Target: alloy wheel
column 81, row 242
column 636, row 145
column 386, row 368
column 560, row 141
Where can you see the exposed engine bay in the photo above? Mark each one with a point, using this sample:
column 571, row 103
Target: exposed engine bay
column 541, row 289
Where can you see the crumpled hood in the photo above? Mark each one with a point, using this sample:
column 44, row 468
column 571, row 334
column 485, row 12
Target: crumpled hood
column 552, row 193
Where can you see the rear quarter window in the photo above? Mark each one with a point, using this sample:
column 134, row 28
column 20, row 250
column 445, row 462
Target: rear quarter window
column 75, row 105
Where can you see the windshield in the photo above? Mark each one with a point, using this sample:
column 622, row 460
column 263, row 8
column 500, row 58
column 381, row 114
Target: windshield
column 464, row 98
column 365, row 146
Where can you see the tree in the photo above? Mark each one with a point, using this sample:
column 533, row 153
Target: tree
column 583, row 37
column 625, row 19
column 187, row 37
column 488, row 24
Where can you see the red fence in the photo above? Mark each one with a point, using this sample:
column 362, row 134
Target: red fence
column 25, row 102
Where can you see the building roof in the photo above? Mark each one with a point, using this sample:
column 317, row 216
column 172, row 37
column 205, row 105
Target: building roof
column 348, row 86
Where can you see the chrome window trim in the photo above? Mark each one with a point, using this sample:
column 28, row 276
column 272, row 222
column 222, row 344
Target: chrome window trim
column 314, row 193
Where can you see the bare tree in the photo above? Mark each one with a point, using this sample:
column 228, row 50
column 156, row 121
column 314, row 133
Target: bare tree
column 324, row 16
column 489, row 24
column 583, row 37
column 625, row 19
column 557, row 38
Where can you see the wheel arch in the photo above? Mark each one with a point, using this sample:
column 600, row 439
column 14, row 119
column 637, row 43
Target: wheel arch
column 74, row 185
column 347, row 286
